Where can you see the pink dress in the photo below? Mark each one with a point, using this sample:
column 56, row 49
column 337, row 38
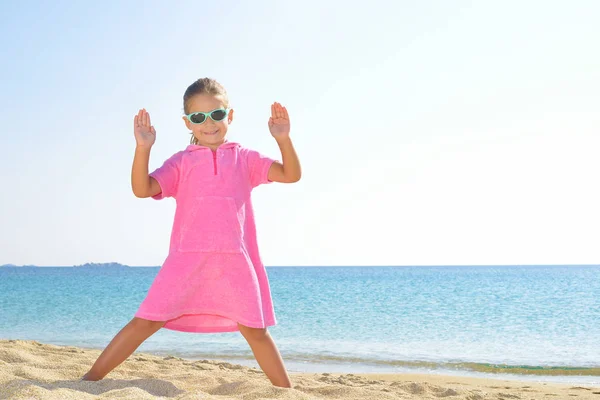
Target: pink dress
column 213, row 276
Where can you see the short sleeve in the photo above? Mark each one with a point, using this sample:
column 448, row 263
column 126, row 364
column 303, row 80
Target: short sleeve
column 258, row 166
column 167, row 177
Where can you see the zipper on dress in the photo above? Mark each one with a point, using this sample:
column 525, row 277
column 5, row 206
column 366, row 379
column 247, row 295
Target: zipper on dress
column 215, row 161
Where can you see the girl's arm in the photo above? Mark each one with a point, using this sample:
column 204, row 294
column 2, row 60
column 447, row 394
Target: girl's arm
column 143, row 185
column 289, row 171
column 279, row 124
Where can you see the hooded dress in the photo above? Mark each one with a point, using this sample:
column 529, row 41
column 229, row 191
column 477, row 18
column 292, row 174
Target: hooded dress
column 213, row 277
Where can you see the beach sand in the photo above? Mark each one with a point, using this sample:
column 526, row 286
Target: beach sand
column 33, row 370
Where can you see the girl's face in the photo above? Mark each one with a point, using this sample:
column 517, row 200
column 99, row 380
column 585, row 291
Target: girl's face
column 209, row 133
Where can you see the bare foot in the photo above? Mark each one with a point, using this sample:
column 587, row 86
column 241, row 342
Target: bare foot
column 89, row 378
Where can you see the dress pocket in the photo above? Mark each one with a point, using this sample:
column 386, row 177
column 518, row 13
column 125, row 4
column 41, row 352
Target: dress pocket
column 213, row 225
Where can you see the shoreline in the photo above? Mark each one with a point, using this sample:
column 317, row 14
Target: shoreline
column 362, row 369
column 30, row 369
column 312, row 366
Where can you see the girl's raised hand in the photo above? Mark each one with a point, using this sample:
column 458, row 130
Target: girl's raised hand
column 144, row 132
column 279, row 122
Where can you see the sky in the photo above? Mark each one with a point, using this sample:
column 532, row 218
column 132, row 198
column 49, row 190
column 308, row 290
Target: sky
column 429, row 133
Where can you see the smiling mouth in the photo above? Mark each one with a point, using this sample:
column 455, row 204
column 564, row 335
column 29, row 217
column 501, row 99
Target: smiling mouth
column 211, row 133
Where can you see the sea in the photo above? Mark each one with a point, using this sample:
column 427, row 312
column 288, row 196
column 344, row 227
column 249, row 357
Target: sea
column 525, row 322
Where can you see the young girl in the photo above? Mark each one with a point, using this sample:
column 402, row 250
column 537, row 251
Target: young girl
column 213, row 279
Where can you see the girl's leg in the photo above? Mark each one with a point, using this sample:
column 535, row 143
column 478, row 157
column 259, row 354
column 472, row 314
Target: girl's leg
column 266, row 355
column 121, row 347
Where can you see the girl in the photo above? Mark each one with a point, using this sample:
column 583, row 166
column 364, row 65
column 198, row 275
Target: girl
column 213, row 279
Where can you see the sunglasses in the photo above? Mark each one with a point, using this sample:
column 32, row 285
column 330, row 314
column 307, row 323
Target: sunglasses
column 200, row 117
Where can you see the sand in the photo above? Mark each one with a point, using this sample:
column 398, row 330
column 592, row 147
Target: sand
column 33, row 370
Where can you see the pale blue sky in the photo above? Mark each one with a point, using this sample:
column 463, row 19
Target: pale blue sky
column 430, row 133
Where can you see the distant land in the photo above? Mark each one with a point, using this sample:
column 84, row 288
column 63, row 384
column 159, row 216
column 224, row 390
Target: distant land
column 16, row 266
column 86, row 265
column 102, row 265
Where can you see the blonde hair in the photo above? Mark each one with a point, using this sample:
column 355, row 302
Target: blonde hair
column 203, row 86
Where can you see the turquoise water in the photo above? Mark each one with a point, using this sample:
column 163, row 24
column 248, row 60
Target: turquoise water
column 472, row 320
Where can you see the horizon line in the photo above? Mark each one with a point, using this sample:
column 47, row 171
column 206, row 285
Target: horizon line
column 105, row 265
